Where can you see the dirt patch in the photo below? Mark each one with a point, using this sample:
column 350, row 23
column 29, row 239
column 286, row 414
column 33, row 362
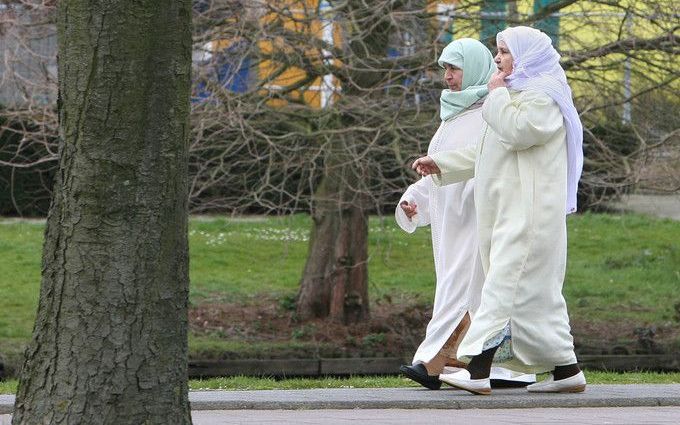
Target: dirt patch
column 625, row 337
column 268, row 328
column 392, row 330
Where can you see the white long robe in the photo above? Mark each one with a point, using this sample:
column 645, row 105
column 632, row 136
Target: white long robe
column 451, row 214
column 520, row 169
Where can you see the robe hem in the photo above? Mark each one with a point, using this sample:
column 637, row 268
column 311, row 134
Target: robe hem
column 466, row 310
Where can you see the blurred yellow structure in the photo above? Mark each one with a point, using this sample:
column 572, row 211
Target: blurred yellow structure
column 580, row 26
column 312, row 18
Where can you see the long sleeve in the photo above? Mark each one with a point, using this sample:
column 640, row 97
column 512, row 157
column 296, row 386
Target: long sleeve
column 456, row 166
column 418, row 193
column 532, row 121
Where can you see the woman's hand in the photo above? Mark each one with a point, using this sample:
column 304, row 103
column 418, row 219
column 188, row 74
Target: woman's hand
column 425, row 166
column 410, row 209
column 497, row 80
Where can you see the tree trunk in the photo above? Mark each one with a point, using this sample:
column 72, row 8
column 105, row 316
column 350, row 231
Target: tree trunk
column 335, row 279
column 110, row 340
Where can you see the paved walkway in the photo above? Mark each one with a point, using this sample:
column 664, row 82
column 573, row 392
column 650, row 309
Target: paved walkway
column 321, row 400
column 548, row 416
column 448, row 398
column 586, row 416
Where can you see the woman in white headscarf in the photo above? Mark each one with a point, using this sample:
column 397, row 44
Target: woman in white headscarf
column 450, row 213
column 526, row 169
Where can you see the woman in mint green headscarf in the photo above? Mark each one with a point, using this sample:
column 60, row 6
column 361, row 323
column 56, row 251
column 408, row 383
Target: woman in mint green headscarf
column 468, row 66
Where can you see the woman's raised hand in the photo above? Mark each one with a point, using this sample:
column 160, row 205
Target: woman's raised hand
column 425, row 166
column 497, row 80
column 410, row 209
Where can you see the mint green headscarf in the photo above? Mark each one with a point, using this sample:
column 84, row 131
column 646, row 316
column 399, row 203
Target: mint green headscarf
column 478, row 66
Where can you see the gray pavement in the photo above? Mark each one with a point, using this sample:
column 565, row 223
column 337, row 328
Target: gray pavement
column 548, row 416
column 416, row 398
column 585, row 416
column 600, row 404
column 447, row 398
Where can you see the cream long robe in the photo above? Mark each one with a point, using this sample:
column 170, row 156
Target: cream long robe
column 520, row 169
column 450, row 212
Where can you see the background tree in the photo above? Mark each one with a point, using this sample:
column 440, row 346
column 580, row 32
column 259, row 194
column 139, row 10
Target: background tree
column 110, row 340
column 335, row 278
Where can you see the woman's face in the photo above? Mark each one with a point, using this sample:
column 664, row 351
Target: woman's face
column 503, row 58
column 453, row 77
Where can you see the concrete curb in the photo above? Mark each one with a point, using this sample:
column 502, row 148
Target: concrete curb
column 416, row 398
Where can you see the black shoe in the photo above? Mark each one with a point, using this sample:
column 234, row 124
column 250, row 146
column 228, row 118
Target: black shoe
column 504, row 383
column 419, row 374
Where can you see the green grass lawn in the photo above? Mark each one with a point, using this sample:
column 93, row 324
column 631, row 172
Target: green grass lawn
column 621, row 267
column 624, row 266
column 242, row 258
column 249, row 383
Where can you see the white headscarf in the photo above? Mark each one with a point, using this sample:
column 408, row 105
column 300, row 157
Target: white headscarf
column 536, row 66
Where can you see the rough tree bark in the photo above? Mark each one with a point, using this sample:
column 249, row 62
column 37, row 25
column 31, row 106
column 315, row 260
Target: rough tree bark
column 110, row 340
column 335, row 278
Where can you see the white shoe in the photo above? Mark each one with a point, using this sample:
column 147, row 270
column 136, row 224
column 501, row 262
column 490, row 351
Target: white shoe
column 461, row 379
column 573, row 384
column 507, row 375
